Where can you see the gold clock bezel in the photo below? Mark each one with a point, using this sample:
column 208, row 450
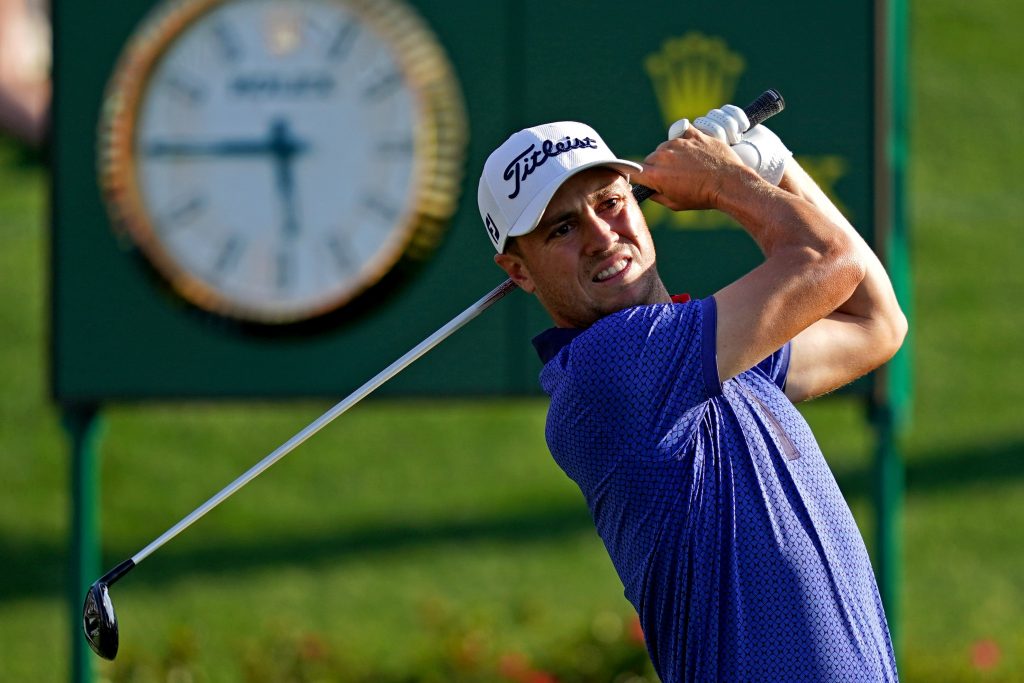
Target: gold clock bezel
column 439, row 135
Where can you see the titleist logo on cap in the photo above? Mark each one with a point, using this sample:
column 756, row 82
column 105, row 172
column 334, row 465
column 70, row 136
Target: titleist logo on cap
column 531, row 158
column 510, row 205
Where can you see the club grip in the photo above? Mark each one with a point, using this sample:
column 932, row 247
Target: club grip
column 768, row 104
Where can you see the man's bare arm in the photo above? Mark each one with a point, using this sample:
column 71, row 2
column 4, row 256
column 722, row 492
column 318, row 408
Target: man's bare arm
column 862, row 333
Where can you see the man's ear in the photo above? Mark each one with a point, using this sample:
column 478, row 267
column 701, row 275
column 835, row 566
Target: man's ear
column 516, row 269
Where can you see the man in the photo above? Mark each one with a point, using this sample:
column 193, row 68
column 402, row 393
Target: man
column 676, row 418
column 24, row 69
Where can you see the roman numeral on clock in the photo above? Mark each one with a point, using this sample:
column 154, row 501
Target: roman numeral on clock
column 340, row 249
column 285, row 270
column 228, row 44
column 342, row 42
column 185, row 88
column 229, row 255
column 382, row 209
column 183, row 211
column 402, row 148
column 384, row 85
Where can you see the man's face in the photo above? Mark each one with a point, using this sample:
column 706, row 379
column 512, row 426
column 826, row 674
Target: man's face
column 591, row 254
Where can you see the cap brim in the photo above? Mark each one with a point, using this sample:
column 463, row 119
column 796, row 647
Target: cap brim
column 529, row 219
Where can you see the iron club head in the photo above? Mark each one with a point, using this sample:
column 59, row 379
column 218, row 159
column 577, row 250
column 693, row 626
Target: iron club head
column 99, row 621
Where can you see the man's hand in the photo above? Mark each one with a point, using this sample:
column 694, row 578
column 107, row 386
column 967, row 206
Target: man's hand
column 689, row 171
column 758, row 147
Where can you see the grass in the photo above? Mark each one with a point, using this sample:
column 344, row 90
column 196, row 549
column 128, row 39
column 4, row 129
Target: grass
column 408, row 516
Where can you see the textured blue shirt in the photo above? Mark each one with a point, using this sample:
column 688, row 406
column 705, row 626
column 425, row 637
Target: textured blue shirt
column 722, row 518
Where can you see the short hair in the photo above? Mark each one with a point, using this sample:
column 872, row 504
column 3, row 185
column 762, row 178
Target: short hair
column 512, row 246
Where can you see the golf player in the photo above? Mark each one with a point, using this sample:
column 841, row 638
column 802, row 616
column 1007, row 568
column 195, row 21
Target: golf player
column 675, row 417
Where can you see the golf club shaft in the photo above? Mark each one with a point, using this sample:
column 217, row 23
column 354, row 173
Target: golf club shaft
column 766, row 105
column 358, row 395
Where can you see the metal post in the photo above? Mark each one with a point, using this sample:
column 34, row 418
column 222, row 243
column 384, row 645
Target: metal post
column 82, row 425
column 891, row 399
column 896, row 248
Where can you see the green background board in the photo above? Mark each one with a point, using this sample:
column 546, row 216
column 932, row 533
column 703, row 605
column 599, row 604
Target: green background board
column 118, row 334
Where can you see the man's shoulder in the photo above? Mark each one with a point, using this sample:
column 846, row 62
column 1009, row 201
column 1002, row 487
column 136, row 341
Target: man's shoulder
column 644, row 324
column 617, row 341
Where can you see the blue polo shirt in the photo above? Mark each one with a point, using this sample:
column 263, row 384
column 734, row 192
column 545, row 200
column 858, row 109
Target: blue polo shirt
column 722, row 518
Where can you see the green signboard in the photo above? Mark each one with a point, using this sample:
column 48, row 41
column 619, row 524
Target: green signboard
column 124, row 329
column 277, row 198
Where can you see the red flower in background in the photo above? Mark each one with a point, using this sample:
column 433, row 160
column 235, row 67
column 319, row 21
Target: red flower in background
column 636, row 631
column 985, row 655
column 515, row 666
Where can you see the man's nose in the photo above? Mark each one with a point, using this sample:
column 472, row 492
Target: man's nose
column 599, row 236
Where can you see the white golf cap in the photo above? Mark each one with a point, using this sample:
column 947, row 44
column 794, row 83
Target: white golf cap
column 523, row 174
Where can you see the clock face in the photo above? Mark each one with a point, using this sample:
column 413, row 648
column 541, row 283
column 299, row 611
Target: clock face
column 275, row 158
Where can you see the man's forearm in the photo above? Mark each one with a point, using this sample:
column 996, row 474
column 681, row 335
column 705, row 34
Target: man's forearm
column 776, row 221
column 874, row 298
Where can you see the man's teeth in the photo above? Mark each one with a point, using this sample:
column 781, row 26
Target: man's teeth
column 612, row 270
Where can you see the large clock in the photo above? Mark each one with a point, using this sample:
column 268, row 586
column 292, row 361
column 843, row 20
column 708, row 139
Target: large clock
column 275, row 159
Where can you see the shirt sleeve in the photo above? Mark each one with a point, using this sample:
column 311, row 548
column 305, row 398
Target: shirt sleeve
column 709, row 347
column 776, row 366
column 640, row 355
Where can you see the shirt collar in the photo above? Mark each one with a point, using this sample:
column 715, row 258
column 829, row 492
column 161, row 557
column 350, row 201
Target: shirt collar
column 549, row 342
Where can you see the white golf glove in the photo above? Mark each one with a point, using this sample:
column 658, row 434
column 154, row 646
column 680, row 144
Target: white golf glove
column 758, row 148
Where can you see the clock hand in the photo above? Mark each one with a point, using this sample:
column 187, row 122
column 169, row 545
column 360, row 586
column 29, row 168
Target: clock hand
column 272, row 146
column 280, row 145
column 226, row 148
column 284, row 148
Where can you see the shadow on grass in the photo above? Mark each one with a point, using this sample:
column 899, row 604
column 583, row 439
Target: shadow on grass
column 985, row 464
column 32, row 568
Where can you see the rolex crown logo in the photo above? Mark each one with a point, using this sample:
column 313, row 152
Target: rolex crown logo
column 693, row 74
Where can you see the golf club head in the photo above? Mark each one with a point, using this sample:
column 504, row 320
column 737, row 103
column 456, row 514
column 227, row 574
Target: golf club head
column 99, row 621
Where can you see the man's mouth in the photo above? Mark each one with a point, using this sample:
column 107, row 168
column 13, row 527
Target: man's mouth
column 613, row 270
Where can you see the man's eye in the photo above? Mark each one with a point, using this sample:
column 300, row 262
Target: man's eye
column 611, row 203
column 561, row 230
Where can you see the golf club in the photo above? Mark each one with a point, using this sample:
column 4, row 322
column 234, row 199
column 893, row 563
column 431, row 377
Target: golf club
column 99, row 620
